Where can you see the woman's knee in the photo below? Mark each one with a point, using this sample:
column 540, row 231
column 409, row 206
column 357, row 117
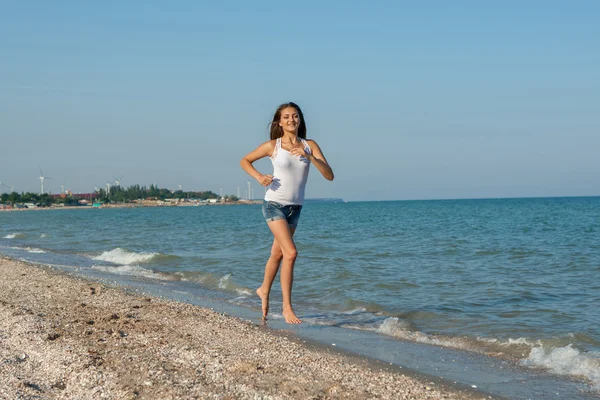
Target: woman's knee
column 276, row 253
column 290, row 254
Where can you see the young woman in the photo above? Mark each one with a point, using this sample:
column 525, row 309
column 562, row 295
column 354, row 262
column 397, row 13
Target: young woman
column 291, row 154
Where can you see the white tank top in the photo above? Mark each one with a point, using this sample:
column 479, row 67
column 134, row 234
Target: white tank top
column 290, row 173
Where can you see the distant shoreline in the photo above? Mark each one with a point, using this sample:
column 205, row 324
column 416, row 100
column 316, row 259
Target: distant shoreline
column 134, row 205
column 164, row 204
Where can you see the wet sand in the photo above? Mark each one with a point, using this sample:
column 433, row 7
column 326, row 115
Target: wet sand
column 67, row 337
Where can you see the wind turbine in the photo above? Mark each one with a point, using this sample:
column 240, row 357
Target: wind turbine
column 96, row 190
column 118, row 180
column 5, row 185
column 42, row 177
column 107, row 188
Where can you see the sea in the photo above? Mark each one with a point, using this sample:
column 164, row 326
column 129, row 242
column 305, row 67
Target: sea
column 499, row 295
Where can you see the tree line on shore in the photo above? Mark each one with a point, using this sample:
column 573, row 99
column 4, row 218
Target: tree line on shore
column 113, row 194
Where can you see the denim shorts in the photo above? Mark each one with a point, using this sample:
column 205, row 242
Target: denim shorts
column 272, row 211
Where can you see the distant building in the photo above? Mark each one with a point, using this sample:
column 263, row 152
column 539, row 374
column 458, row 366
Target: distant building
column 90, row 196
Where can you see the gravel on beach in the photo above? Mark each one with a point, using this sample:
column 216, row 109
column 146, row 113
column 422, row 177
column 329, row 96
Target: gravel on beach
column 70, row 338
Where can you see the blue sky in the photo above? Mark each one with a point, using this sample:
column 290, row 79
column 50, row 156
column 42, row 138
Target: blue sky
column 438, row 99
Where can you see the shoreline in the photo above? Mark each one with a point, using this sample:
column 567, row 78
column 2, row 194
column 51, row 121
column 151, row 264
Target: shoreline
column 132, row 205
column 65, row 336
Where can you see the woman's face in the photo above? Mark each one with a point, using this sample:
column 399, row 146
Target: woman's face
column 289, row 120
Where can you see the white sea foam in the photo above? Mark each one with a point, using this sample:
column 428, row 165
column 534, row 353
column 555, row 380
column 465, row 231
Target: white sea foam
column 28, row 249
column 397, row 328
column 562, row 360
column 224, row 281
column 509, row 342
column 510, row 347
column 43, row 235
column 124, row 257
column 356, row 310
column 34, row 250
column 519, row 341
column 131, row 270
column 567, row 361
column 393, row 326
column 14, row 235
column 318, row 321
column 244, row 292
column 515, row 349
column 203, row 279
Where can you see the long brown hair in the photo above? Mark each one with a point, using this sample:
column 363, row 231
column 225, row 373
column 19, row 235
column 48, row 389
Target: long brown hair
column 277, row 131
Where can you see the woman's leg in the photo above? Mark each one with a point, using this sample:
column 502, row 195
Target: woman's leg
column 271, row 270
column 283, row 234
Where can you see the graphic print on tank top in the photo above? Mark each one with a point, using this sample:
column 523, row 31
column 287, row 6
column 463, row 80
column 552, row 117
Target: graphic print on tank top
column 290, row 174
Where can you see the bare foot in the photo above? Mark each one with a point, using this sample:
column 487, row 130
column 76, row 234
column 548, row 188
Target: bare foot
column 264, row 297
column 290, row 317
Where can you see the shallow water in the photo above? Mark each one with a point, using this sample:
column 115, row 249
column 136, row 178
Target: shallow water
column 515, row 278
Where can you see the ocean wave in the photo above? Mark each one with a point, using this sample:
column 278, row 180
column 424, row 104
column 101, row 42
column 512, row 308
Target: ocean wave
column 15, row 235
column 28, row 249
column 355, row 311
column 43, row 235
column 132, row 270
column 395, row 327
column 227, row 284
column 567, row 361
column 224, row 283
column 520, row 346
column 34, row 250
column 559, row 360
column 319, row 320
column 195, row 277
column 125, row 257
column 356, row 306
column 243, row 292
column 402, row 329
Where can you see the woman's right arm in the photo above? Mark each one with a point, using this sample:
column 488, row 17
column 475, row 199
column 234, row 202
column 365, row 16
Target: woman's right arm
column 262, row 151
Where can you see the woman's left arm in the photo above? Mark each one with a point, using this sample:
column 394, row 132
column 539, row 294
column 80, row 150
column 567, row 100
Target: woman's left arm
column 318, row 159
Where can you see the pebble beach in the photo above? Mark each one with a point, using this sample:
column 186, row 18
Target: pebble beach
column 66, row 337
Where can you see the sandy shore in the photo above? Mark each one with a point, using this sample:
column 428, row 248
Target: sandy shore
column 66, row 337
